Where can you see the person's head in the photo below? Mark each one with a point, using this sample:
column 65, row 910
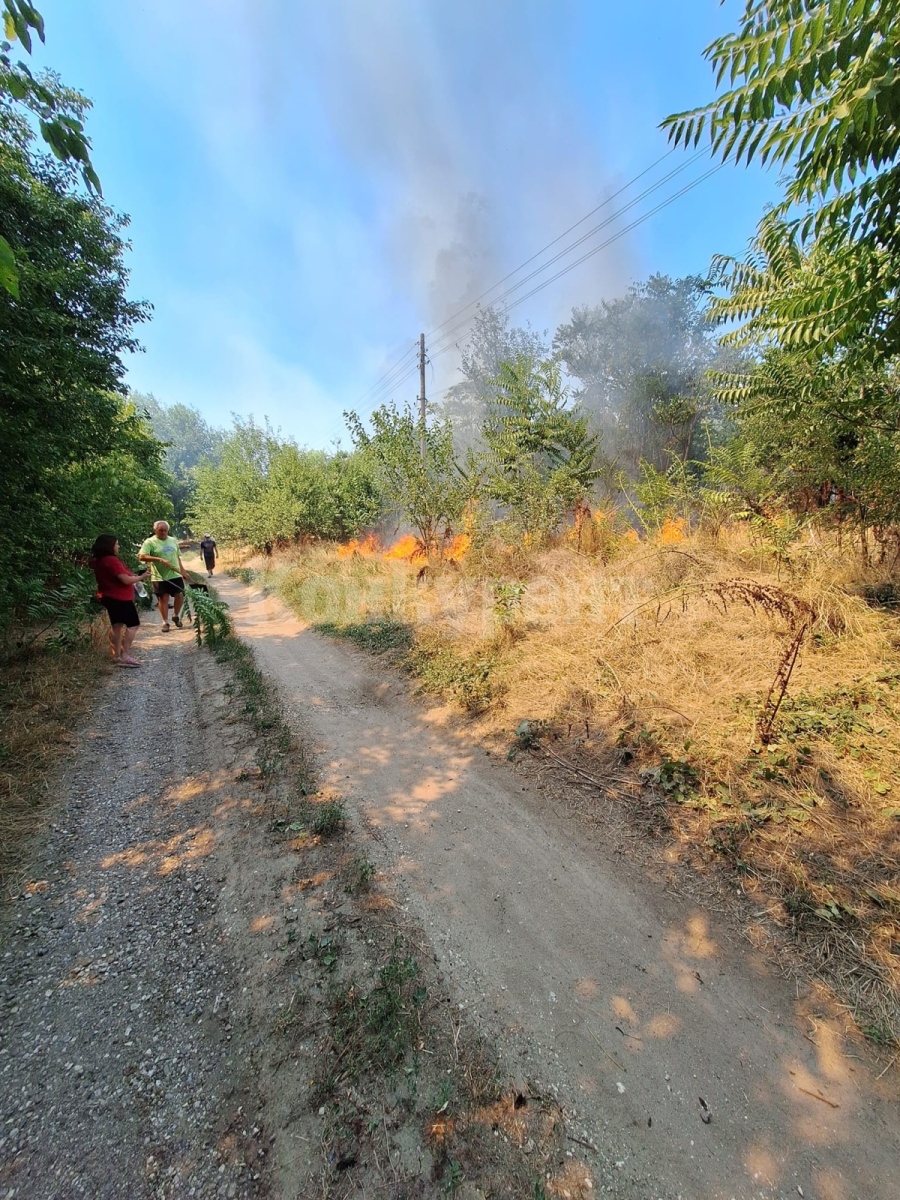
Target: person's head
column 207, row 537
column 105, row 545
column 161, row 529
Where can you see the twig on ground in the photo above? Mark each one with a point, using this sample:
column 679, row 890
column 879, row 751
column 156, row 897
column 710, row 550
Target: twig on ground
column 818, row 1096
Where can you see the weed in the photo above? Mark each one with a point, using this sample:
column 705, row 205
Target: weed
column 376, row 1029
column 324, row 950
column 507, row 607
column 384, row 636
column 467, row 679
column 322, row 819
column 675, row 778
column 454, row 1177
column 361, row 874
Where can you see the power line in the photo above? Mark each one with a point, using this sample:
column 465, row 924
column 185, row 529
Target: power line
column 581, row 240
column 565, row 233
column 400, row 373
column 388, row 384
column 603, row 245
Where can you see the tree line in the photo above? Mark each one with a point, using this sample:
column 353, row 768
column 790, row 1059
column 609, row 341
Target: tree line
column 764, row 389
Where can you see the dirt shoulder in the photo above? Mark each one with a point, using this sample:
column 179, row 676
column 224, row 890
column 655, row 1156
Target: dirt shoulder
column 632, row 1002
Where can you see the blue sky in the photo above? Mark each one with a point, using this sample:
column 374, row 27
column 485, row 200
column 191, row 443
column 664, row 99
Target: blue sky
column 310, row 185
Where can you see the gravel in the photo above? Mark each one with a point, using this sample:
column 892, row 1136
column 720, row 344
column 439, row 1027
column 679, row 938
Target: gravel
column 126, row 1068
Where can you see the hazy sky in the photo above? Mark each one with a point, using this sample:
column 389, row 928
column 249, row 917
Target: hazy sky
column 313, row 184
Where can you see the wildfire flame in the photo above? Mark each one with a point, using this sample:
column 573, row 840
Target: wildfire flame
column 405, row 549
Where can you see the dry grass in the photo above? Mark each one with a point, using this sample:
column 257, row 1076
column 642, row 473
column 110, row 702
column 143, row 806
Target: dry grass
column 41, row 697
column 668, row 662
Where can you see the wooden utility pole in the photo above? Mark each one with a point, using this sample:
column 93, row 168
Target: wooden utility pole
column 422, row 395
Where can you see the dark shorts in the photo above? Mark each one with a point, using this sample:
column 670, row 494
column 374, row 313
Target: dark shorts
column 210, row 562
column 121, row 612
column 168, row 587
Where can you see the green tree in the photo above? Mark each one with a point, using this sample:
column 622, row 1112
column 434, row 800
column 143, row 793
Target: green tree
column 59, row 113
column 812, row 87
column 189, row 441
column 540, row 457
column 268, row 492
column 491, row 343
column 418, row 470
column 63, row 335
column 640, row 362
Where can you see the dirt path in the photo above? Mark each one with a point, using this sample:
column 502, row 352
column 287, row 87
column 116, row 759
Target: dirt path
column 635, row 1004
column 128, row 1044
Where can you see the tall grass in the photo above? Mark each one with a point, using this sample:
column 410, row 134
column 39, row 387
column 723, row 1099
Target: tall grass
column 659, row 662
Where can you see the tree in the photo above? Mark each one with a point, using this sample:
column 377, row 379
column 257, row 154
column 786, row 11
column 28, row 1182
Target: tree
column 813, row 88
column 61, row 371
column 426, row 489
column 58, row 112
column 640, row 362
column 539, row 457
column 490, row 344
column 268, row 492
column 189, row 441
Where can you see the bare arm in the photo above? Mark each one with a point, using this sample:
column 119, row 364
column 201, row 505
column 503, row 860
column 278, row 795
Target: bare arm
column 129, row 578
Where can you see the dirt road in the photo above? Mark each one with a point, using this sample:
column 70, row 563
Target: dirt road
column 130, row 1035
column 634, row 1003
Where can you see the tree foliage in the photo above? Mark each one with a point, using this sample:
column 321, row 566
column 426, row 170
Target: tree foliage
column 491, row 343
column 539, row 457
column 189, row 440
column 71, row 443
column 417, row 468
column 59, row 113
column 812, row 87
column 640, row 362
column 264, row 492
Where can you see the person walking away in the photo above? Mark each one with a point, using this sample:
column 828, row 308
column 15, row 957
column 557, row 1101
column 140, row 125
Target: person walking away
column 115, row 587
column 208, row 549
column 167, row 572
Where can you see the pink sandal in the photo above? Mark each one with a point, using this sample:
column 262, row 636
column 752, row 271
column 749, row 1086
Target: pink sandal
column 130, row 662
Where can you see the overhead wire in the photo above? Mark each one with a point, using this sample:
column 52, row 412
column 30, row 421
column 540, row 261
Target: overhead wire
column 388, row 383
column 400, row 372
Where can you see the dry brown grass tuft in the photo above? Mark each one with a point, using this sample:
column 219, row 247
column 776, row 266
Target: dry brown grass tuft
column 755, row 705
column 41, row 697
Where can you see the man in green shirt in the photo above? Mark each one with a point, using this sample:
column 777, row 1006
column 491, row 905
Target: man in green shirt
column 167, row 571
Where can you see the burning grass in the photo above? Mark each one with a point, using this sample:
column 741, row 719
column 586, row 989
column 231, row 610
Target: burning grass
column 753, row 705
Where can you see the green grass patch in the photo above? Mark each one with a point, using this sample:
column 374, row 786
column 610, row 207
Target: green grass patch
column 382, row 636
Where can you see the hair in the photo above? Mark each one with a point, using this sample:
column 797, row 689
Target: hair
column 162, row 521
column 104, row 546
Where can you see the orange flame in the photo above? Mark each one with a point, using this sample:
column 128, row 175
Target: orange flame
column 367, row 548
column 672, row 531
column 408, row 547
column 405, row 549
column 459, row 547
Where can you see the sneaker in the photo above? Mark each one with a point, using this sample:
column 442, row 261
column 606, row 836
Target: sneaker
column 166, row 627
column 177, row 621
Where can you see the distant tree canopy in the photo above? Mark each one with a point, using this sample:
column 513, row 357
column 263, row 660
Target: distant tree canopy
column 640, row 363
column 264, row 491
column 77, row 457
column 189, row 440
column 491, row 343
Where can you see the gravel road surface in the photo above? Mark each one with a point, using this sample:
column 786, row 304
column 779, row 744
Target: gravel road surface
column 125, row 1069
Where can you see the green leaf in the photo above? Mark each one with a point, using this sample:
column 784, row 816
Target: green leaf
column 9, row 276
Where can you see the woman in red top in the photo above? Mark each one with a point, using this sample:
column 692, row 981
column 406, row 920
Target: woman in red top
column 115, row 587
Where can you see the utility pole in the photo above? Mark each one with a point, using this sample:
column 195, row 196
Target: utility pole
column 422, row 395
